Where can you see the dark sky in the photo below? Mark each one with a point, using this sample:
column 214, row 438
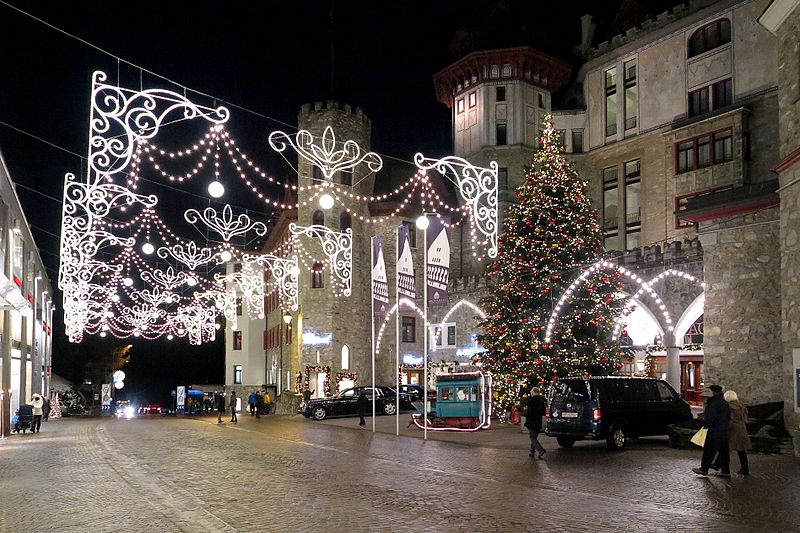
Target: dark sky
column 270, row 57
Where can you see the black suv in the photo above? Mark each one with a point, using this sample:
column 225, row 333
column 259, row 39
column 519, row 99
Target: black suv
column 612, row 408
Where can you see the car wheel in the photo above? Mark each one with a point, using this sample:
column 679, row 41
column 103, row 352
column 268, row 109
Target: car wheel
column 389, row 408
column 616, row 440
column 565, row 442
column 319, row 413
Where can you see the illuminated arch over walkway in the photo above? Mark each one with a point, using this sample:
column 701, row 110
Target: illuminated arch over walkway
column 391, row 312
column 460, row 303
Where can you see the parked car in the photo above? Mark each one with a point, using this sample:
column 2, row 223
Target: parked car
column 345, row 403
column 612, row 408
column 150, row 410
column 415, row 392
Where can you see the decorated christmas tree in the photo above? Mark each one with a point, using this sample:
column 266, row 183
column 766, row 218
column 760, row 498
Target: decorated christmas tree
column 551, row 235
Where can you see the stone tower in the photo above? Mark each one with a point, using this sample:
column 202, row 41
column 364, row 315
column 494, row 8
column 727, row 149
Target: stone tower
column 332, row 327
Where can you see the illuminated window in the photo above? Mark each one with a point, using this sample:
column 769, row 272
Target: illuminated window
column 345, row 357
column 460, row 105
column 316, row 276
column 237, row 340
column 611, row 101
column 18, row 255
column 709, row 37
column 633, row 215
column 237, row 374
column 445, row 335
column 409, row 329
column 473, row 99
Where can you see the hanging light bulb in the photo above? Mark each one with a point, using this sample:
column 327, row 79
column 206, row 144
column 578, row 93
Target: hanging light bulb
column 423, row 222
column 226, row 256
column 109, row 314
column 169, row 299
column 115, row 297
column 102, row 333
column 169, row 337
column 326, row 201
column 148, row 248
column 216, row 189
column 190, row 281
column 127, row 282
column 217, row 326
column 295, row 271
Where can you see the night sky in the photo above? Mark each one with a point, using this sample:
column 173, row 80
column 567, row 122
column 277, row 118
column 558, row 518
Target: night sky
column 268, row 57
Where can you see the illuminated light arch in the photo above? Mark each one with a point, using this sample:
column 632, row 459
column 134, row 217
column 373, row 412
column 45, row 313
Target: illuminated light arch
column 389, row 314
column 633, row 304
column 438, row 330
column 676, row 273
column 693, row 311
column 580, row 280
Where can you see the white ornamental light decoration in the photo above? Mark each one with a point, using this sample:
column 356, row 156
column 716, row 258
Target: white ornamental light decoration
column 337, row 246
column 477, row 187
column 326, row 155
column 226, row 225
column 190, row 254
column 285, row 272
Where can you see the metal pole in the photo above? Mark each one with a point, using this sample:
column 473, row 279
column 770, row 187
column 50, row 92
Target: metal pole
column 397, row 337
column 372, row 322
column 280, row 343
column 427, row 332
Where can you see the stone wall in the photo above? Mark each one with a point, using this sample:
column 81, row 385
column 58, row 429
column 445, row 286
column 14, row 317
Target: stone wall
column 742, row 307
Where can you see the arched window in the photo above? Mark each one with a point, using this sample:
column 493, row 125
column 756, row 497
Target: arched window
column 318, row 218
column 709, row 37
column 345, row 221
column 316, row 276
column 345, row 357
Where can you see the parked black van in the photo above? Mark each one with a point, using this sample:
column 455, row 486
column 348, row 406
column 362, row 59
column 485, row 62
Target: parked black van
column 612, row 408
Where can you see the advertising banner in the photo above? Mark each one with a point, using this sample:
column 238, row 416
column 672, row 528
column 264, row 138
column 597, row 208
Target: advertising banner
column 438, row 267
column 180, row 393
column 405, row 271
column 105, row 391
column 380, row 282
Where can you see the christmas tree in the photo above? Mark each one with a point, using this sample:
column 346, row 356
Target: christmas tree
column 550, row 237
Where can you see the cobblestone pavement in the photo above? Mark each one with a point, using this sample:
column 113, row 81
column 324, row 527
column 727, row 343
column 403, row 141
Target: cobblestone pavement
column 290, row 474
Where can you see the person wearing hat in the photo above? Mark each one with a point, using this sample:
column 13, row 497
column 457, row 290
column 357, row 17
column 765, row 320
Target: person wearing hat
column 716, row 418
column 37, row 403
column 533, row 421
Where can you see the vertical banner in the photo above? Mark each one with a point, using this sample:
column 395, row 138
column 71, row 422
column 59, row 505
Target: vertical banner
column 438, row 267
column 405, row 270
column 105, row 392
column 380, row 282
column 180, row 394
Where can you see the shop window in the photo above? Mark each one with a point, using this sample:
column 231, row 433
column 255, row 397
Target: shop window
column 577, row 141
column 500, row 93
column 501, row 135
column 345, row 221
column 709, row 37
column 409, row 329
column 237, row 340
column 237, row 374
column 316, row 276
column 318, row 218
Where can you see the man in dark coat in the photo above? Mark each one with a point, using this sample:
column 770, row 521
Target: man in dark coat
column 533, row 421
column 362, row 409
column 220, row 397
column 716, row 418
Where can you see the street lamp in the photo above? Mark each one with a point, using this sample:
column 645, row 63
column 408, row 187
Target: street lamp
column 423, row 223
column 287, row 319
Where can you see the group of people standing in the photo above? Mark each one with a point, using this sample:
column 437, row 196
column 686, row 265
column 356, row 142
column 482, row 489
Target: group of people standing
column 725, row 418
column 259, row 402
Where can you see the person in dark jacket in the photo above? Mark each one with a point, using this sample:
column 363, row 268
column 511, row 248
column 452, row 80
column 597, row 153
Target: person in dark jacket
column 251, row 403
column 259, row 404
column 362, row 409
column 220, row 405
column 716, row 418
column 232, row 404
column 533, row 421
column 46, row 410
column 739, row 440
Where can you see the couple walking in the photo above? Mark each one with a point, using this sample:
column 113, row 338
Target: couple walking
column 725, row 418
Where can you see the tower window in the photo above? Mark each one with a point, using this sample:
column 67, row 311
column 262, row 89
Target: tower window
column 577, row 141
column 473, row 99
column 345, row 221
column 502, row 178
column 347, row 177
column 502, row 138
column 460, row 105
column 316, row 276
column 409, row 329
column 709, row 37
column 501, row 93
column 318, row 218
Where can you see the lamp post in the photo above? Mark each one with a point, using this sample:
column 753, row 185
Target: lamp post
column 37, row 350
column 287, row 319
column 423, row 223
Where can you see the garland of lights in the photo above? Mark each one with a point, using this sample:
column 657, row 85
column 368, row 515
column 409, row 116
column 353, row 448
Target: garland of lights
column 341, row 376
column 324, row 369
column 651, row 349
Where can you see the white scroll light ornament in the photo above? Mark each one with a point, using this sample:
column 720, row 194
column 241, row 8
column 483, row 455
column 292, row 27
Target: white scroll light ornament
column 190, row 254
column 118, row 118
column 226, row 225
column 286, row 273
column 477, row 187
column 337, row 246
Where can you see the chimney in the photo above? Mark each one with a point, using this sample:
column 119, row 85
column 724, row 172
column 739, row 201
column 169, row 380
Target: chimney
column 587, row 33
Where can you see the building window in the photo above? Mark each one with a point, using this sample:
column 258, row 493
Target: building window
column 237, row 340
column 723, row 93
column 237, row 374
column 610, row 198
column 631, row 95
column 540, row 100
column 460, row 105
column 698, row 102
column 346, row 177
column 445, row 335
column 288, row 331
column 703, row 151
column 561, row 138
column 502, row 140
column 409, row 329
column 317, row 173
column 345, row 221
column 633, row 215
column 500, row 93
column 318, row 218
column 632, row 239
column 345, row 357
column 611, row 101
column 237, row 267
column 412, row 233
column 239, row 306
column 711, row 98
column 577, row 141
column 709, row 37
column 473, row 99
column 316, row 276
column 502, row 178
column 611, row 241
column 19, row 254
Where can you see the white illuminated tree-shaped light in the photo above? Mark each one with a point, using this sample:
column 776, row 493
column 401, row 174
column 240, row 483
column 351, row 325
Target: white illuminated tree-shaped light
column 226, row 225
column 327, row 156
column 337, row 246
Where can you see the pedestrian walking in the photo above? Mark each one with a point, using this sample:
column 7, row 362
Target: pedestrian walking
column 362, row 409
column 220, row 397
column 533, row 421
column 38, row 403
column 233, row 407
column 259, row 404
column 267, row 403
column 251, row 402
column 716, row 419
column 46, row 409
column 739, row 440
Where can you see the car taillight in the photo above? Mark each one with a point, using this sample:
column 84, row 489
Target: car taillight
column 547, row 412
column 597, row 414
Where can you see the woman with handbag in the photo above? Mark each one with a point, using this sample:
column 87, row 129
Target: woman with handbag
column 739, row 441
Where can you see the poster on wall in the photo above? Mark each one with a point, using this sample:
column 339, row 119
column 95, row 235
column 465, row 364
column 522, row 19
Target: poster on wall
column 380, row 282
column 405, row 271
column 105, row 391
column 438, row 267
